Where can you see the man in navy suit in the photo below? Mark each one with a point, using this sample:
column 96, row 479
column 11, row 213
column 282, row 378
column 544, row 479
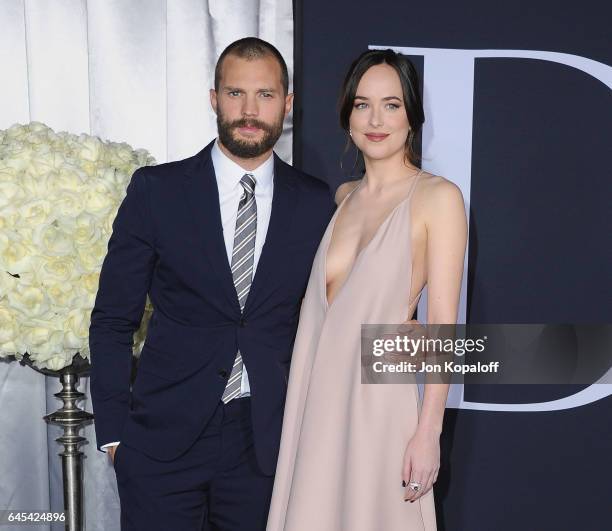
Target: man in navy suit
column 223, row 243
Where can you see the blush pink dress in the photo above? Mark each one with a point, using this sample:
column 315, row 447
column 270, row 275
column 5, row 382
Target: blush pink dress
column 343, row 442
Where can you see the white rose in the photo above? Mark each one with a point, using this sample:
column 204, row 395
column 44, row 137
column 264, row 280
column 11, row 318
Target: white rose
column 27, row 278
column 38, row 127
column 59, row 361
column 62, row 295
column 143, row 158
column 17, row 156
column 43, row 150
column 37, row 186
column 7, row 174
column 8, row 218
column 16, row 131
column 8, row 331
column 99, row 197
column 87, row 300
column 34, row 139
column 90, row 148
column 35, row 212
column 51, row 240
column 122, row 155
column 70, row 179
column 76, row 329
column 35, row 336
column 58, row 159
column 7, row 283
column 30, row 301
column 108, row 175
column 14, row 255
column 67, row 204
column 9, row 194
column 40, row 164
column 44, row 345
column 89, row 282
column 87, row 230
column 91, row 257
column 107, row 221
column 57, row 269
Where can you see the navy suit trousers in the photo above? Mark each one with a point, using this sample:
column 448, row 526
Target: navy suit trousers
column 215, row 485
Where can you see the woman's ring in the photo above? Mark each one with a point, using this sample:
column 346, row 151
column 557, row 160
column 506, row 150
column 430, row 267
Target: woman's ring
column 415, row 486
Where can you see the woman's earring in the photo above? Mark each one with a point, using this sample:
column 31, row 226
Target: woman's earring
column 350, row 133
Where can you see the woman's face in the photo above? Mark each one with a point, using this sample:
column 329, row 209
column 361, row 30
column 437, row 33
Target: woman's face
column 379, row 123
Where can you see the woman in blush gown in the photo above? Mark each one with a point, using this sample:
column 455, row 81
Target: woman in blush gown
column 360, row 457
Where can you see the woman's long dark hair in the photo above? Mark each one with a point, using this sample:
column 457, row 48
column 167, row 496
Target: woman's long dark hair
column 410, row 87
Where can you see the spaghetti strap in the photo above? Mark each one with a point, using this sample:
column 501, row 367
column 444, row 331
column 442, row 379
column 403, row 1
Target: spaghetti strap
column 413, row 185
column 350, row 193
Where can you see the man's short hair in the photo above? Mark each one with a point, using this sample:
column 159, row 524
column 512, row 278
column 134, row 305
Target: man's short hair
column 251, row 48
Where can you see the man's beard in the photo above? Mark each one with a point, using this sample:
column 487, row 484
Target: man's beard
column 245, row 149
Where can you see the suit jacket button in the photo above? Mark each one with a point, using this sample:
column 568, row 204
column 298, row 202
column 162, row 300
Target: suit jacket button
column 222, row 373
column 242, row 323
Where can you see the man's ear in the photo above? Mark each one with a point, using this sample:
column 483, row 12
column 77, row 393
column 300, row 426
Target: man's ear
column 213, row 100
column 288, row 103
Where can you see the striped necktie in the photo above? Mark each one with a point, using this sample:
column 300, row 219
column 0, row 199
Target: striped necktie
column 242, row 268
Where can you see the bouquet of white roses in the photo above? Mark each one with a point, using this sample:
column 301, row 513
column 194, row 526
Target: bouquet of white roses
column 59, row 194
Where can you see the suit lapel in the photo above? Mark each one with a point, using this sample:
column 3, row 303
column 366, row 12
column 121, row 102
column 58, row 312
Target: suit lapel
column 202, row 198
column 271, row 260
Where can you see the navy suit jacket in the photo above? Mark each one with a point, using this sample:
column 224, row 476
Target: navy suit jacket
column 167, row 241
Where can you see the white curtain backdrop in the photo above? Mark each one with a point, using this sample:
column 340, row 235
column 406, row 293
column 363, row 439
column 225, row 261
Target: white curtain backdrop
column 134, row 71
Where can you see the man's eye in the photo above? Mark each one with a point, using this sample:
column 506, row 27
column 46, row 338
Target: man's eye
column 266, row 94
column 234, row 93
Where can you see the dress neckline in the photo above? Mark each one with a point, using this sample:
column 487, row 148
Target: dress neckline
column 388, row 217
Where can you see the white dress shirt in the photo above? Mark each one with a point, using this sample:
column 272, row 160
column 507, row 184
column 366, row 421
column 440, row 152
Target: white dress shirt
column 228, row 175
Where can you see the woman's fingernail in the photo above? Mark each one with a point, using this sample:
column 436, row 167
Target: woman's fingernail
column 403, row 483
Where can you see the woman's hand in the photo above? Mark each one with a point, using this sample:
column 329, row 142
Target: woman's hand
column 421, row 463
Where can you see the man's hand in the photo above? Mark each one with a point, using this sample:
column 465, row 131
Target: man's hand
column 411, row 329
column 111, row 452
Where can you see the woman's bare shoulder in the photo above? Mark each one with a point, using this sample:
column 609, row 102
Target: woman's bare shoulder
column 436, row 189
column 344, row 189
column 439, row 199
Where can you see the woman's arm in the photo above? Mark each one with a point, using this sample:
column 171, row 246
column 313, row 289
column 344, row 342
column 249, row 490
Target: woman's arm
column 446, row 226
